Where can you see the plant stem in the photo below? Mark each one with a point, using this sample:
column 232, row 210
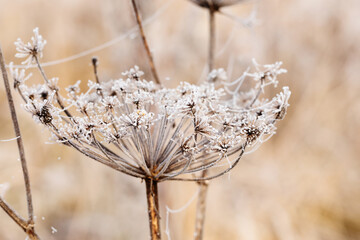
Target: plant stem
column 29, row 227
column 33, row 236
column 203, row 185
column 13, row 214
column 19, row 139
column 211, row 38
column 153, row 208
column 201, row 210
column 145, row 43
column 94, row 62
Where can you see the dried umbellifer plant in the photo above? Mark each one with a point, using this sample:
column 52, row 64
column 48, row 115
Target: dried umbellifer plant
column 151, row 132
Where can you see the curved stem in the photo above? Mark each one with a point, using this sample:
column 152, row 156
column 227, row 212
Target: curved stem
column 153, row 208
column 145, row 43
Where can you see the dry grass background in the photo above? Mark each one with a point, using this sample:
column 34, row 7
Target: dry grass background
column 304, row 184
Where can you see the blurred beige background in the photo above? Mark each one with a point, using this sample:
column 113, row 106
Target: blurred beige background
column 303, row 184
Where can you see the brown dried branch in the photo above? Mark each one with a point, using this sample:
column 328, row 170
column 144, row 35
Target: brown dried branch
column 13, row 214
column 145, row 43
column 95, row 62
column 29, row 225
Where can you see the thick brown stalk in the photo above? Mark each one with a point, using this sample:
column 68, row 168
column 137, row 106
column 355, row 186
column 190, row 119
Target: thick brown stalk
column 153, row 208
column 29, row 227
column 145, row 43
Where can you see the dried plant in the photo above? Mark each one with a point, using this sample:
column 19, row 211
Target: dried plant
column 145, row 130
column 151, row 132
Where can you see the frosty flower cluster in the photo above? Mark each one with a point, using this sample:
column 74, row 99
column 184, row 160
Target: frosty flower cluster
column 30, row 51
column 149, row 131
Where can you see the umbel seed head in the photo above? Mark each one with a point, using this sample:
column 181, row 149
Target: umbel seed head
column 147, row 131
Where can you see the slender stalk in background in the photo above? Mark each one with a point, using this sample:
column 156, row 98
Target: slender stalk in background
column 203, row 186
column 28, row 227
column 153, row 208
column 94, row 62
column 212, row 11
column 146, row 45
column 201, row 210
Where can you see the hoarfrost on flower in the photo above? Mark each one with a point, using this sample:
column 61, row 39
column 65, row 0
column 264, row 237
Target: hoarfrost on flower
column 30, row 51
column 148, row 131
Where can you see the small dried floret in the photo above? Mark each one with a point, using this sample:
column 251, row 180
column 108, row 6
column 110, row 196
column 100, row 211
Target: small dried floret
column 73, row 89
column 138, row 119
column 217, row 74
column 266, row 74
column 42, row 110
column 281, row 104
column 18, row 75
column 30, row 51
column 134, row 73
column 252, row 133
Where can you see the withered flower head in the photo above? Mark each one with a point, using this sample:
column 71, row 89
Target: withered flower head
column 148, row 131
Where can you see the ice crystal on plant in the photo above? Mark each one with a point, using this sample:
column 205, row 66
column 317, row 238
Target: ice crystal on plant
column 30, row 50
column 148, row 131
column 18, row 75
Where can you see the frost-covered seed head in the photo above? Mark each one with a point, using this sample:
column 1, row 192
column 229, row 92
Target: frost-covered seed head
column 148, row 131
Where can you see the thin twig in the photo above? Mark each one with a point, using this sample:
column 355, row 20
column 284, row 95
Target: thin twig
column 95, row 62
column 27, row 226
column 146, row 45
column 19, row 139
column 13, row 214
